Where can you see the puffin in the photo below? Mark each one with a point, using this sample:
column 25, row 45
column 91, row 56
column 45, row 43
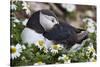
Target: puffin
column 44, row 24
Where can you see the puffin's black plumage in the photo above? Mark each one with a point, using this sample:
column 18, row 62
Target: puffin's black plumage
column 64, row 33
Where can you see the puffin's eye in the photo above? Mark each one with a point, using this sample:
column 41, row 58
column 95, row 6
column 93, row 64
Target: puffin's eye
column 53, row 20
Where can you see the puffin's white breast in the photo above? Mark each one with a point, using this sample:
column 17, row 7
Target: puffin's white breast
column 30, row 36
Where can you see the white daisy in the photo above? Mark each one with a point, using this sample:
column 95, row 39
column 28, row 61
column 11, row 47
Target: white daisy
column 26, row 7
column 13, row 6
column 11, row 35
column 87, row 54
column 39, row 63
column 23, row 47
column 68, row 61
column 14, row 25
column 54, row 51
column 94, row 54
column 90, row 48
column 88, row 20
column 45, row 50
column 40, row 44
column 25, row 22
column 69, row 7
column 55, row 48
column 65, row 58
column 15, row 51
column 92, row 59
column 90, row 24
column 16, row 20
column 91, row 29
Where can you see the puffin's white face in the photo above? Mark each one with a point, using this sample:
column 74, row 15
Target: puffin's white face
column 47, row 22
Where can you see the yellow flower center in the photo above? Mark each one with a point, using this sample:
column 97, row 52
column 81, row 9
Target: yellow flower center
column 13, row 50
column 41, row 43
column 55, row 47
column 39, row 62
column 66, row 58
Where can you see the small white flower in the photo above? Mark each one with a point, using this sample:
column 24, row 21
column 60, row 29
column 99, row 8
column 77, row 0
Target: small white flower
column 68, row 61
column 45, row 50
column 14, row 25
column 55, row 48
column 40, row 44
column 23, row 47
column 88, row 20
column 54, row 51
column 87, row 54
column 94, row 54
column 69, row 7
column 11, row 35
column 26, row 7
column 91, row 29
column 16, row 20
column 39, row 63
column 92, row 59
column 90, row 48
column 13, row 6
column 25, row 22
column 90, row 24
column 65, row 58
column 15, row 51
column 28, row 12
column 23, row 58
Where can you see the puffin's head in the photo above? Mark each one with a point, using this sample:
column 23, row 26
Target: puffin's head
column 42, row 20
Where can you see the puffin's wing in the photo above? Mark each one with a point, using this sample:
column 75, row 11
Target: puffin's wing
column 60, row 32
column 65, row 34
